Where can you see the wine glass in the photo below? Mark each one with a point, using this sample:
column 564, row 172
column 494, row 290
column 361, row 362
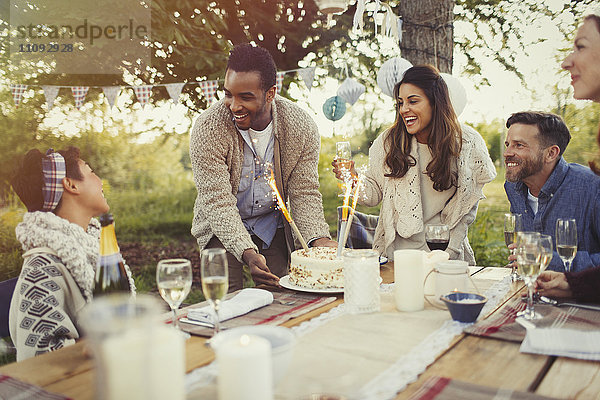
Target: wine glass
column 437, row 236
column 174, row 281
column 215, row 279
column 566, row 241
column 513, row 223
column 343, row 156
column 546, row 244
column 529, row 258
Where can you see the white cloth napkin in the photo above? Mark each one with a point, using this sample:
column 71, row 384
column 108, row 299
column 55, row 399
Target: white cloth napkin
column 242, row 303
column 572, row 343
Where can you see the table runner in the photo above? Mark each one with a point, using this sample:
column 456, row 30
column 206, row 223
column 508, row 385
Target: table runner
column 273, row 314
column 441, row 388
column 364, row 356
column 502, row 324
column 11, row 388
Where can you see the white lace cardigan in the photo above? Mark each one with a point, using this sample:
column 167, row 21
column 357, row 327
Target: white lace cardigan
column 401, row 208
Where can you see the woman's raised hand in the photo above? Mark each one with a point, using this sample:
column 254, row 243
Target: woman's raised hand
column 342, row 167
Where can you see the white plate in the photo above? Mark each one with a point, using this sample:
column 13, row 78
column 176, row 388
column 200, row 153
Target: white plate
column 285, row 282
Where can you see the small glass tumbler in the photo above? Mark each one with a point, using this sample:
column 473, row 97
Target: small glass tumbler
column 361, row 281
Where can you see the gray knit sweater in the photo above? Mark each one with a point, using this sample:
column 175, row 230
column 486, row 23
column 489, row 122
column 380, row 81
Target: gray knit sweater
column 217, row 152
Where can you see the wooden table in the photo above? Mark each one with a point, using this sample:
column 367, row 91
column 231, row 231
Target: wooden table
column 483, row 361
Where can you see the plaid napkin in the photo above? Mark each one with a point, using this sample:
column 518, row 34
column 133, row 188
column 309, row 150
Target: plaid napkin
column 245, row 301
column 272, row 314
column 441, row 388
column 11, row 388
column 502, row 325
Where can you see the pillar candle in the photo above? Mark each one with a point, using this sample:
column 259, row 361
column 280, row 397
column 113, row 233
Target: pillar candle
column 244, row 369
column 147, row 363
column 408, row 280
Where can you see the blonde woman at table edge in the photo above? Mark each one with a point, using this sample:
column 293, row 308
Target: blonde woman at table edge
column 60, row 240
column 584, row 65
column 425, row 169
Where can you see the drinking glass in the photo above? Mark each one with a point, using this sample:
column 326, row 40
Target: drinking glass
column 546, row 244
column 566, row 241
column 174, row 281
column 343, row 156
column 513, row 223
column 437, row 236
column 529, row 254
column 215, row 279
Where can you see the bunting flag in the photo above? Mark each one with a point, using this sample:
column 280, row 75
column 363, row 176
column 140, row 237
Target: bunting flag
column 174, row 90
column 110, row 93
column 143, row 93
column 50, row 93
column 17, row 91
column 400, row 24
column 308, row 76
column 79, row 93
column 209, row 88
column 279, row 81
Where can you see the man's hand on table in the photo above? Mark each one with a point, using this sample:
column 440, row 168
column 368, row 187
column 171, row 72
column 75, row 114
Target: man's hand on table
column 258, row 268
column 324, row 242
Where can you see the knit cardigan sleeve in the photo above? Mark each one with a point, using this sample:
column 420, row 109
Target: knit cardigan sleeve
column 213, row 144
column 585, row 285
column 44, row 308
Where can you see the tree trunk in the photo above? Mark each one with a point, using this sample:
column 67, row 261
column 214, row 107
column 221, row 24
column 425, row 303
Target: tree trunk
column 428, row 34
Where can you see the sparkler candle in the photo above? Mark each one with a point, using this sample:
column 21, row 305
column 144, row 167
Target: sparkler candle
column 352, row 209
column 285, row 211
column 344, row 224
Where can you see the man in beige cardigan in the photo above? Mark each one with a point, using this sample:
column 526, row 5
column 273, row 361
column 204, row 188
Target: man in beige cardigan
column 233, row 146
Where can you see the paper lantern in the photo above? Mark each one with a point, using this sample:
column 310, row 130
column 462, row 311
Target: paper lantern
column 390, row 73
column 350, row 90
column 458, row 94
column 332, row 6
column 334, row 108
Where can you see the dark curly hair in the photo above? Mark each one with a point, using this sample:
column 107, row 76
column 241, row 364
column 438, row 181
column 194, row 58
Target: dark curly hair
column 248, row 58
column 28, row 179
column 445, row 139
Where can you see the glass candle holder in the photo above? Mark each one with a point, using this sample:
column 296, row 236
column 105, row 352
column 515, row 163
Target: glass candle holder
column 361, row 281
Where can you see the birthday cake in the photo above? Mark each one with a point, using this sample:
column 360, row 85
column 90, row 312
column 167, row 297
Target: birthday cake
column 316, row 268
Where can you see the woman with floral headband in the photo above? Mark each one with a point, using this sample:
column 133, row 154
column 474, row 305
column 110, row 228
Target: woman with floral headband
column 60, row 240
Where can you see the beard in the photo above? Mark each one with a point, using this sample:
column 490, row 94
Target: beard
column 527, row 167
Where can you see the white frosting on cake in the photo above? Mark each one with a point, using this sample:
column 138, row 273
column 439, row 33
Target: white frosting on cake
column 317, row 268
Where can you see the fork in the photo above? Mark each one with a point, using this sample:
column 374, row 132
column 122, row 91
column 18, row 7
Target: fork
column 555, row 303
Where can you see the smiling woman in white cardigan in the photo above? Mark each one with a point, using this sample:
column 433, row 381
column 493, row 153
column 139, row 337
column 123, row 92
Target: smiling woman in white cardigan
column 425, row 169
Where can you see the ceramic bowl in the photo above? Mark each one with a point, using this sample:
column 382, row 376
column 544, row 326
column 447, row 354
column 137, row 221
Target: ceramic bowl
column 464, row 307
column 282, row 342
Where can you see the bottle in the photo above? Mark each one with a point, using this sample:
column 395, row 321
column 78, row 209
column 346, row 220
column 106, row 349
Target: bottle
column 110, row 271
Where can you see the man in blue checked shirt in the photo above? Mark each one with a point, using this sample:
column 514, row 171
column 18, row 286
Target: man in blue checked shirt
column 542, row 186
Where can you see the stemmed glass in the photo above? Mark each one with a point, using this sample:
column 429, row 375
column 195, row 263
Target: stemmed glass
column 174, row 281
column 215, row 279
column 529, row 258
column 566, row 241
column 343, row 156
column 437, row 237
column 513, row 223
column 546, row 244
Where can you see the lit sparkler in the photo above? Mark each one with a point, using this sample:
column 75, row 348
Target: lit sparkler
column 344, row 224
column 352, row 209
column 284, row 210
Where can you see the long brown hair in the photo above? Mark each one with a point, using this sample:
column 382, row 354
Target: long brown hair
column 445, row 137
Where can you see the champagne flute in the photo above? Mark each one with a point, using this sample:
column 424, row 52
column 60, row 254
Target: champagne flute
column 547, row 251
column 566, row 241
column 174, row 281
column 343, row 156
column 215, row 279
column 437, row 236
column 513, row 223
column 529, row 258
